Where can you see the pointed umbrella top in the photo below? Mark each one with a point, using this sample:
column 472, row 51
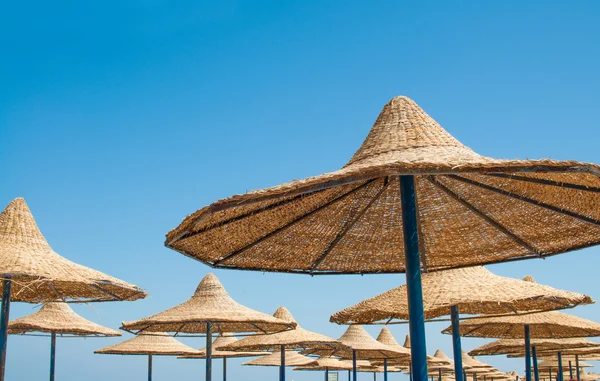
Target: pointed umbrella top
column 149, row 344
column 386, row 337
column 40, row 274
column 292, row 358
column 292, row 339
column 473, row 210
column 59, row 318
column 475, row 290
column 210, row 303
column 473, row 363
column 222, row 340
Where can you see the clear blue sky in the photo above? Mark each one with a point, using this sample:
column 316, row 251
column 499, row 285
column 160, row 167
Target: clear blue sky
column 118, row 118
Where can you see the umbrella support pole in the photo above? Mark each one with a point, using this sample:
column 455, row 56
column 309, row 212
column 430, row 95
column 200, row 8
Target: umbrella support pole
column 149, row 367
column 439, row 374
column 413, row 277
column 385, row 370
column 550, row 373
column 456, row 344
column 52, row 354
column 527, row 353
column 208, row 351
column 577, row 367
column 326, row 373
column 282, row 365
column 536, row 372
column 570, row 370
column 349, row 375
column 560, row 368
column 353, row 365
column 224, row 368
column 4, row 313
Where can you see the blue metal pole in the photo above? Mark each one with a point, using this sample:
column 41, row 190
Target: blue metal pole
column 4, row 313
column 413, row 278
column 439, row 374
column 52, row 354
column 536, row 372
column 456, row 344
column 149, row 367
column 577, row 367
column 527, row 353
column 354, row 365
column 209, row 351
column 550, row 373
column 385, row 370
column 560, row 368
column 349, row 375
column 224, row 368
column 570, row 370
column 326, row 374
column 282, row 365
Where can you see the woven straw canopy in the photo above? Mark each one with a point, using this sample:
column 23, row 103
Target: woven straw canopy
column 292, row 358
column 210, row 303
column 553, row 364
column 59, row 318
column 40, row 275
column 583, row 375
column 328, row 363
column 474, row 290
column 542, row 325
column 472, row 209
column 591, row 351
column 149, row 344
column 358, row 339
column 507, row 346
column 474, row 364
column 292, row 339
column 222, row 340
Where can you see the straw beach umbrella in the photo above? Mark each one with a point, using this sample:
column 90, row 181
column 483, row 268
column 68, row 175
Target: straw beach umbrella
column 292, row 357
column 209, row 310
column 592, row 352
column 412, row 196
column 222, row 340
column 473, row 291
column 297, row 338
column 32, row 272
column 328, row 363
column 515, row 346
column 57, row 318
column 150, row 344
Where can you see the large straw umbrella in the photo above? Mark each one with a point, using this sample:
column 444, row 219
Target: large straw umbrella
column 509, row 346
column 57, row 318
column 364, row 218
column 32, row 272
column 149, row 344
column 297, row 338
column 359, row 345
column 473, row 291
column 209, row 310
column 222, row 340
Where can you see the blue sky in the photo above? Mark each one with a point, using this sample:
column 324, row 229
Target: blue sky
column 118, row 118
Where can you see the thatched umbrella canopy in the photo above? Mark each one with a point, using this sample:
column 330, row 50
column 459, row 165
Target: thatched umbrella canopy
column 57, row 318
column 292, row 358
column 297, row 338
column 474, row 366
column 149, row 344
column 327, row 363
column 473, row 291
column 364, row 218
column 32, row 272
column 209, row 310
column 515, row 346
column 224, row 339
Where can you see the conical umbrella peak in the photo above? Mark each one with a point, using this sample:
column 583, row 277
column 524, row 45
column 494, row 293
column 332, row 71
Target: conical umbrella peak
column 209, row 286
column 386, row 337
column 529, row 278
column 17, row 225
column 284, row 314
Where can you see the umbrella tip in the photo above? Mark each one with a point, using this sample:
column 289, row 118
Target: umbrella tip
column 529, row 278
column 283, row 313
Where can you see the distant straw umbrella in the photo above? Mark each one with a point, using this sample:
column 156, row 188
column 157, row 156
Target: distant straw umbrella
column 473, row 291
column 297, row 338
column 209, row 310
column 516, row 346
column 222, row 340
column 327, row 363
column 149, row 344
column 32, row 272
column 57, row 318
column 292, row 357
column 474, row 366
column 591, row 352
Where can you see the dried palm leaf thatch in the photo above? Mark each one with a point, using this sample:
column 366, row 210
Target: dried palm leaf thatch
column 516, row 346
column 39, row 274
column 210, row 303
column 473, row 209
column 58, row 318
column 328, row 363
column 222, row 340
column 542, row 325
column 475, row 291
column 292, row 358
column 156, row 343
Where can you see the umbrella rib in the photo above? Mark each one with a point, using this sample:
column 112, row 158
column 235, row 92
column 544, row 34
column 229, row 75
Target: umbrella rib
column 527, row 200
column 106, row 292
column 546, row 182
column 51, row 286
column 292, row 223
column 348, row 227
column 484, row 216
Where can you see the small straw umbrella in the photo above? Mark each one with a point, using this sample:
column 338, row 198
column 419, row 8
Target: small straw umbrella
column 474, row 366
column 441, row 368
column 585, row 353
column 150, row 344
column 328, row 363
column 209, row 310
column 386, row 337
column 32, row 272
column 225, row 338
column 292, row 357
column 359, row 345
column 57, row 318
column 411, row 190
column 515, row 346
column 473, row 291
column 297, row 338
